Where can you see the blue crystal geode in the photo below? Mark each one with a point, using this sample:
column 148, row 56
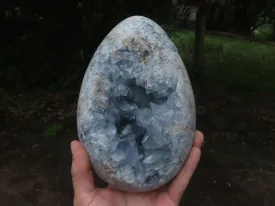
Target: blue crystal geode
column 136, row 109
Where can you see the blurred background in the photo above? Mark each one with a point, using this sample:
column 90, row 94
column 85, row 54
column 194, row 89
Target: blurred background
column 228, row 47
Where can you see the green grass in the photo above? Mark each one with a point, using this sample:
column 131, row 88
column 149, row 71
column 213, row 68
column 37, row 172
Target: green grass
column 236, row 63
column 264, row 32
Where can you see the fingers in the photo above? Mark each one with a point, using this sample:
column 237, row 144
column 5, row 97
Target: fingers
column 82, row 176
column 181, row 181
column 198, row 139
column 110, row 186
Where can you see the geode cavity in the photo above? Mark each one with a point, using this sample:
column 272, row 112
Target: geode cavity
column 136, row 109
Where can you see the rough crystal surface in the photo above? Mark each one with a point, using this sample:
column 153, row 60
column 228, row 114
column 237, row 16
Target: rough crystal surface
column 136, row 110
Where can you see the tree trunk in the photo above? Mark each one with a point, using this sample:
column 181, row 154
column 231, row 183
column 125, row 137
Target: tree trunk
column 273, row 35
column 199, row 40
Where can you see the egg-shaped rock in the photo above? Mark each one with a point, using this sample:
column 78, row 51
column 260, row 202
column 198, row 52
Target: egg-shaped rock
column 136, row 109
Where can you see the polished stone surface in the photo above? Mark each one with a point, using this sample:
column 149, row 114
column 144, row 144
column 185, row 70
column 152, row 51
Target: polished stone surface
column 136, row 109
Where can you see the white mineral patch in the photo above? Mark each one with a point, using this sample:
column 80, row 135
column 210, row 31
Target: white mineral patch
column 136, row 109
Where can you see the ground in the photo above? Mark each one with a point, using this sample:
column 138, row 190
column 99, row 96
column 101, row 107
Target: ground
column 238, row 157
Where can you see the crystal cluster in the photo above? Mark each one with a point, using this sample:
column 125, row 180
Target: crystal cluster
column 136, row 110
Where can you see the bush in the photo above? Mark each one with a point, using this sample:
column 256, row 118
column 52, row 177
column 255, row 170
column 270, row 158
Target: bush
column 240, row 64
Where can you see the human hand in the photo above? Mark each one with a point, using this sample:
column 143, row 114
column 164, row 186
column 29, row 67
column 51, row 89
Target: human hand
column 86, row 193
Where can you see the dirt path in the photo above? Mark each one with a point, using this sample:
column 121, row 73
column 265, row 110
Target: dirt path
column 237, row 166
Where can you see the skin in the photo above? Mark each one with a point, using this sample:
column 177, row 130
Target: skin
column 87, row 194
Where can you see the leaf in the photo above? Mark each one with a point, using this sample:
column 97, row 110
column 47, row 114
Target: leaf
column 53, row 130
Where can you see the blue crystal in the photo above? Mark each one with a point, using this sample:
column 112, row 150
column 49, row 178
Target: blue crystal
column 136, row 109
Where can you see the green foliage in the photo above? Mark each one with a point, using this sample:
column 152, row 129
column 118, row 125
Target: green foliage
column 48, row 44
column 35, row 108
column 239, row 64
column 264, row 32
column 53, row 130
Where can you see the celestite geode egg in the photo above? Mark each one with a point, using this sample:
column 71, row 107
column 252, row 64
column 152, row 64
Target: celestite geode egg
column 136, row 109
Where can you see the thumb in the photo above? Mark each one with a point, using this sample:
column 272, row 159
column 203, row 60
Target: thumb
column 82, row 177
